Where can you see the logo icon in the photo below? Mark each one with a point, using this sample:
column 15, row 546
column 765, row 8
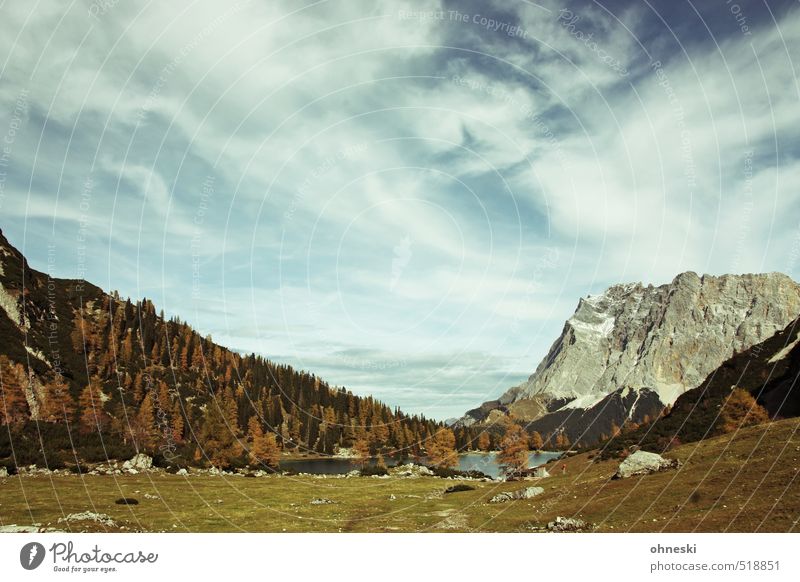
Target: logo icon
column 31, row 555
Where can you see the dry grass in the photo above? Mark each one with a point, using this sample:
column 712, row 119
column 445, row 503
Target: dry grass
column 747, row 483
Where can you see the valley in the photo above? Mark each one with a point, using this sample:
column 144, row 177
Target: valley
column 747, row 482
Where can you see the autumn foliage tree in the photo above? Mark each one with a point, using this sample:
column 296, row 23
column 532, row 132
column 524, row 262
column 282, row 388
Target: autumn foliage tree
column 93, row 416
column 739, row 410
column 13, row 405
column 535, row 441
column 219, row 434
column 441, row 449
column 57, row 404
column 361, row 450
column 484, row 441
column 513, row 454
column 264, row 449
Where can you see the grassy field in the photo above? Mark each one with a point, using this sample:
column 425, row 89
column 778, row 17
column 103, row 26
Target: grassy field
column 747, row 483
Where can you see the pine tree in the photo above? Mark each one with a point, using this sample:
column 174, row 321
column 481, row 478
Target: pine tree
column 264, row 448
column 218, row 436
column 441, row 449
column 58, row 404
column 361, row 450
column 146, row 435
column 513, row 454
column 93, row 417
column 739, row 410
column 484, row 441
column 13, row 405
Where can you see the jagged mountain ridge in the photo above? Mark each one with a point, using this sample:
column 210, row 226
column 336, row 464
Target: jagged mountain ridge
column 653, row 342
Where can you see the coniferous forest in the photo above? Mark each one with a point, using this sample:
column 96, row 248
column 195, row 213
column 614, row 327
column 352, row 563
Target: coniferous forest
column 94, row 376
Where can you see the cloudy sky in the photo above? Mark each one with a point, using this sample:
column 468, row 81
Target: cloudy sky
column 405, row 198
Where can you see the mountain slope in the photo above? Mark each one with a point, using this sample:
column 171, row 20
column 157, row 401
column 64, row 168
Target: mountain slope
column 633, row 349
column 93, row 376
column 769, row 371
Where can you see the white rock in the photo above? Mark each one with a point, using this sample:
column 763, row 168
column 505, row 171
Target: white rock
column 526, row 493
column 3, row 472
column 88, row 516
column 140, row 462
column 182, row 472
column 643, row 463
column 566, row 524
column 410, row 470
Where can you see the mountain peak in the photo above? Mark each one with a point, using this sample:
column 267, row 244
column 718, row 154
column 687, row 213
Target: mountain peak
column 664, row 338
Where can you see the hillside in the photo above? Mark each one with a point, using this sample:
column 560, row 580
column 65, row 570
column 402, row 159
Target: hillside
column 769, row 371
column 93, row 376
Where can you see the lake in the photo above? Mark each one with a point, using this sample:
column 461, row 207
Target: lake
column 483, row 462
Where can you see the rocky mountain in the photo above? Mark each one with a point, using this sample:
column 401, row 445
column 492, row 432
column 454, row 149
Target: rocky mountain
column 769, row 371
column 630, row 351
column 86, row 375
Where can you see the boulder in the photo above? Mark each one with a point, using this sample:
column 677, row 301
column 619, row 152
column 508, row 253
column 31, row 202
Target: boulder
column 527, row 493
column 101, row 518
column 182, row 472
column 644, row 463
column 3, row 472
column 139, row 462
column 410, row 470
column 567, row 524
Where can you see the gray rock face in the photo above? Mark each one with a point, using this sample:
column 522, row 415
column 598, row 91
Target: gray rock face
column 644, row 463
column 666, row 339
column 527, row 493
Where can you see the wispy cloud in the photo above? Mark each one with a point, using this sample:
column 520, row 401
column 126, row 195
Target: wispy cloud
column 427, row 183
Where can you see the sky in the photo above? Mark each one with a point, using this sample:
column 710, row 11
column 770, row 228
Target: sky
column 405, row 198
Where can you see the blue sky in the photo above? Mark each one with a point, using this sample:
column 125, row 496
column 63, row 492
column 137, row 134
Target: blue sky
column 406, row 198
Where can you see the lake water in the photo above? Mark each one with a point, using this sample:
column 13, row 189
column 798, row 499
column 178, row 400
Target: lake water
column 483, row 462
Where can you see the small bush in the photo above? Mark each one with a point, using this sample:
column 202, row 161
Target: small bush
column 443, row 472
